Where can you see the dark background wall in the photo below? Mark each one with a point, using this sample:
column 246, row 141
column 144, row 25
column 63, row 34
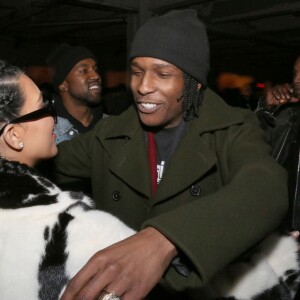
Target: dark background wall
column 259, row 38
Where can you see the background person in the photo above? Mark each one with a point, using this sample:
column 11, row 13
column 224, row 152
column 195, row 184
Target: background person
column 285, row 93
column 279, row 113
column 78, row 83
column 46, row 235
column 204, row 192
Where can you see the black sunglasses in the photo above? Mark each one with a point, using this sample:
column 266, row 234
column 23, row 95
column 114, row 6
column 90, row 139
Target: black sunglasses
column 46, row 111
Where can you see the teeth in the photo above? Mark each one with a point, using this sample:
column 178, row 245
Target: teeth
column 148, row 105
column 94, row 87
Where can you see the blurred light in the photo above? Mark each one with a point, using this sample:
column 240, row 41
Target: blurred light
column 39, row 74
column 260, row 85
column 114, row 78
column 233, row 81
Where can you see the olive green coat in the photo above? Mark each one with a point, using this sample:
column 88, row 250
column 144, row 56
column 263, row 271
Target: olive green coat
column 242, row 197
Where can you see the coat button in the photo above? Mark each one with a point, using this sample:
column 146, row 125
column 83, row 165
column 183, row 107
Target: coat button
column 116, row 195
column 195, row 190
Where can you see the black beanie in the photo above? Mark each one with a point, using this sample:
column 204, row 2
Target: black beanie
column 64, row 58
column 177, row 37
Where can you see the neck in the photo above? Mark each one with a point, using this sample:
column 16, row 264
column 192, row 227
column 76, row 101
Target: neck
column 19, row 159
column 8, row 152
column 78, row 110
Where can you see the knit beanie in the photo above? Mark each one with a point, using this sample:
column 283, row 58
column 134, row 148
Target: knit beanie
column 64, row 58
column 177, row 37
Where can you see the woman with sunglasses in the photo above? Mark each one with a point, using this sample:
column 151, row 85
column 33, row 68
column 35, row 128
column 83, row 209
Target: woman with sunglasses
column 26, row 121
column 46, row 235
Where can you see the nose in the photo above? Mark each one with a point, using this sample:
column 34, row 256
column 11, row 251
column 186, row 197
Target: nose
column 95, row 75
column 146, row 84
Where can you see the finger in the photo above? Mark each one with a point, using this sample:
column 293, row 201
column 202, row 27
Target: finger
column 276, row 94
column 276, row 102
column 108, row 279
column 285, row 92
column 282, row 100
column 294, row 99
column 288, row 88
column 120, row 293
column 93, row 288
column 121, row 286
column 79, row 281
column 295, row 234
column 106, row 294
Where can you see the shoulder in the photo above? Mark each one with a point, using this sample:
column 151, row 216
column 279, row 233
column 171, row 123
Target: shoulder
column 124, row 124
column 24, row 186
column 215, row 114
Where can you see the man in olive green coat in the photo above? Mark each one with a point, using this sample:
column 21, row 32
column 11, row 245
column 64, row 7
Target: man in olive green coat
column 219, row 192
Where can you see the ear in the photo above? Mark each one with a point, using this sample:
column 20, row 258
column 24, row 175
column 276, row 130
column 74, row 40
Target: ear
column 63, row 87
column 13, row 137
column 199, row 85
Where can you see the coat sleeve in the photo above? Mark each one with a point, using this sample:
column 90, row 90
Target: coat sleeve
column 216, row 229
column 73, row 164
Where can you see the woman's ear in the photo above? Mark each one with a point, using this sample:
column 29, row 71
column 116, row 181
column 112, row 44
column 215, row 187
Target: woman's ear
column 199, row 85
column 13, row 137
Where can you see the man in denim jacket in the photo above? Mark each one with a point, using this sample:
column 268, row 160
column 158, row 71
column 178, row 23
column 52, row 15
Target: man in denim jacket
column 78, row 85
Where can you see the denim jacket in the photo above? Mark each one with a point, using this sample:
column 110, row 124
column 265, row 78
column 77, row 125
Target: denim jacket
column 64, row 130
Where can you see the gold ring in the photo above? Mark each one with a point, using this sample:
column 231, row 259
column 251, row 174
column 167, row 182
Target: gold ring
column 109, row 296
column 282, row 100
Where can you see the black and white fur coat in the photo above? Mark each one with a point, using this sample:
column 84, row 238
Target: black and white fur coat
column 271, row 271
column 46, row 235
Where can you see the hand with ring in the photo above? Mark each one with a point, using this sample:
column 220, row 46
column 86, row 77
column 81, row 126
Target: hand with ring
column 280, row 94
column 127, row 270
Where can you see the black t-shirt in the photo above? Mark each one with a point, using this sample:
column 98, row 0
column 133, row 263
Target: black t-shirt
column 166, row 142
column 62, row 112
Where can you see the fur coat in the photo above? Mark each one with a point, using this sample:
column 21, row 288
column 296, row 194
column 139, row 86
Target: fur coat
column 271, row 271
column 46, row 234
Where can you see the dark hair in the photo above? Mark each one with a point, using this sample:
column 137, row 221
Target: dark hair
column 11, row 95
column 192, row 98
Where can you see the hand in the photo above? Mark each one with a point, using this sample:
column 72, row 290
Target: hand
column 130, row 268
column 280, row 94
column 295, row 234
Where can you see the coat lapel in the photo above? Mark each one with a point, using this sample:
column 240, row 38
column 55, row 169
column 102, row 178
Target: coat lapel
column 188, row 165
column 194, row 156
column 131, row 166
column 129, row 159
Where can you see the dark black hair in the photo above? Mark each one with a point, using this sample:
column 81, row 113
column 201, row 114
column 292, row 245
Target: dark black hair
column 192, row 98
column 11, row 95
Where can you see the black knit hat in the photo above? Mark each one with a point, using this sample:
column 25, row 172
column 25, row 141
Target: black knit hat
column 177, row 37
column 64, row 58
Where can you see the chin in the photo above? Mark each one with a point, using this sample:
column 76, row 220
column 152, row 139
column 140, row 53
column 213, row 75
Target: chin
column 55, row 151
column 155, row 124
column 150, row 122
column 52, row 153
column 94, row 102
